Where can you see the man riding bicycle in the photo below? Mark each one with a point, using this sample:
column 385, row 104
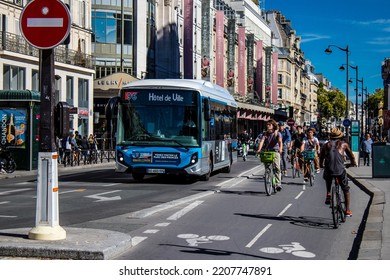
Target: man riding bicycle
column 332, row 160
column 244, row 140
column 286, row 139
column 311, row 143
column 295, row 146
column 272, row 141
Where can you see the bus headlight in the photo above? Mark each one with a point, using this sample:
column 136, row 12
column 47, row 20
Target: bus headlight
column 119, row 156
column 194, row 158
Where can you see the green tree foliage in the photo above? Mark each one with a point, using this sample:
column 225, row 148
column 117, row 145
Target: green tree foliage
column 330, row 103
column 373, row 101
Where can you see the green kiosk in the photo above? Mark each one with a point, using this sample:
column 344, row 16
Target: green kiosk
column 19, row 113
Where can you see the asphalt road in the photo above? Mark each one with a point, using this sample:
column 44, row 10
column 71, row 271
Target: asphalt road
column 227, row 217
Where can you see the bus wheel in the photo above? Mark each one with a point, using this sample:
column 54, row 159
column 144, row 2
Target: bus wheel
column 138, row 176
column 206, row 176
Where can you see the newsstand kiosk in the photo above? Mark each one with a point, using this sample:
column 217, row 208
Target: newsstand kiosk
column 19, row 114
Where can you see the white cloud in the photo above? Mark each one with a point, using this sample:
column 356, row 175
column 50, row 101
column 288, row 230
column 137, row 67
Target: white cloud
column 313, row 37
column 380, row 41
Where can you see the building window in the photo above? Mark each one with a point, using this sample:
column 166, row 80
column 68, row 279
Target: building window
column 106, row 28
column 280, row 95
column 69, row 90
column 280, row 79
column 35, row 80
column 83, row 93
column 14, row 77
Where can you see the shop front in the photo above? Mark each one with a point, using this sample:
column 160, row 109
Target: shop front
column 19, row 113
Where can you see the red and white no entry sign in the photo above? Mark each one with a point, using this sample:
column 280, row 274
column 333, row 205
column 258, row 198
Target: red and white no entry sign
column 45, row 23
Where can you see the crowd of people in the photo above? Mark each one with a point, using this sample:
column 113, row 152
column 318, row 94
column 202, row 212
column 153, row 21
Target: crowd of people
column 74, row 143
column 331, row 155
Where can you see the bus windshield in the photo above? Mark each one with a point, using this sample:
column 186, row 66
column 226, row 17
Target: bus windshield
column 159, row 118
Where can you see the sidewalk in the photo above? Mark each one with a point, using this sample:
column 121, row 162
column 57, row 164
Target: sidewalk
column 92, row 244
column 375, row 243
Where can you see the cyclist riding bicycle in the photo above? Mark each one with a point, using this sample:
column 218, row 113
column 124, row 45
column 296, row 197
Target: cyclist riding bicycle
column 311, row 143
column 286, row 139
column 244, row 140
column 295, row 146
column 272, row 141
column 332, row 160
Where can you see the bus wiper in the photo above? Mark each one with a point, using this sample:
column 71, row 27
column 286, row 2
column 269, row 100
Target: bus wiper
column 174, row 141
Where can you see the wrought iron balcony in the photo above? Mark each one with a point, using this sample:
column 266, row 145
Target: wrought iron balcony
column 17, row 44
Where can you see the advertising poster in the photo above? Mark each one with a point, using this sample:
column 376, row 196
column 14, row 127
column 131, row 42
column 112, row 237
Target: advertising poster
column 13, row 127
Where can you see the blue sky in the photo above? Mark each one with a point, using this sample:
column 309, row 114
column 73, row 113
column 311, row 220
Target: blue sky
column 362, row 25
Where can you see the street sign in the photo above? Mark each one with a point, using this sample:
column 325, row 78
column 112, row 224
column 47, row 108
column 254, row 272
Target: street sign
column 346, row 122
column 290, row 122
column 45, row 23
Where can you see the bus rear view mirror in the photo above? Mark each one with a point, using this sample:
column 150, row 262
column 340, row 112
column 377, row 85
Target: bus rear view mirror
column 207, row 109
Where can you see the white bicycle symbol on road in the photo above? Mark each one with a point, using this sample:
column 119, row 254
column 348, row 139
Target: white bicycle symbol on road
column 194, row 239
column 294, row 248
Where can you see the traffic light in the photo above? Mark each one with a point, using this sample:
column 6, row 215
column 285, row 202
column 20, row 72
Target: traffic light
column 290, row 111
column 61, row 119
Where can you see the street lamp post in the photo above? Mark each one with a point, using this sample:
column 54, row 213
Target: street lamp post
column 356, row 68
column 346, row 50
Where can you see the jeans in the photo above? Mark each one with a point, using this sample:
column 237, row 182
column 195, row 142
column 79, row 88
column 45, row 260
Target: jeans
column 283, row 159
column 366, row 158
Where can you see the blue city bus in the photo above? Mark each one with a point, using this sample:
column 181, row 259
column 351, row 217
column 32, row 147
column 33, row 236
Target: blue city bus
column 175, row 126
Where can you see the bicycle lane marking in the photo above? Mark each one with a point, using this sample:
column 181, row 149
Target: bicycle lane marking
column 253, row 241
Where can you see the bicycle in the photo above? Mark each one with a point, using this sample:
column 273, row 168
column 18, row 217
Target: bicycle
column 308, row 164
column 337, row 203
column 296, row 170
column 267, row 158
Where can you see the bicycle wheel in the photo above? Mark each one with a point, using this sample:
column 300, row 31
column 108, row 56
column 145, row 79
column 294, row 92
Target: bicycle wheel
column 293, row 167
column 341, row 204
column 311, row 173
column 297, row 168
column 268, row 180
column 334, row 207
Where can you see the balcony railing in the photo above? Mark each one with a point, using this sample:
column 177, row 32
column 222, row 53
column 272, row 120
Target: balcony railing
column 17, row 44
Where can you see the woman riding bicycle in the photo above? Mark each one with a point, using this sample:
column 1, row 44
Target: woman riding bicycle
column 311, row 143
column 272, row 141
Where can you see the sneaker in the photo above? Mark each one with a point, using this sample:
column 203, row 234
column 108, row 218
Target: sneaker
column 278, row 188
column 327, row 200
column 285, row 172
column 306, row 179
column 348, row 213
column 317, row 171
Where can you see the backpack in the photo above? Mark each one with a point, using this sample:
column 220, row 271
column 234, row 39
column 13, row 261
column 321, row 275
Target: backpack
column 334, row 161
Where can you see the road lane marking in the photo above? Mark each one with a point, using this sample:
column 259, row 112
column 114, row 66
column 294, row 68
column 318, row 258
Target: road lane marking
column 3, row 216
column 4, row 202
column 110, row 185
column 228, row 182
column 299, row 194
column 253, row 241
column 100, row 196
column 151, row 231
column 184, row 211
column 136, row 240
column 152, row 210
column 71, row 191
column 162, row 224
column 13, row 191
column 284, row 210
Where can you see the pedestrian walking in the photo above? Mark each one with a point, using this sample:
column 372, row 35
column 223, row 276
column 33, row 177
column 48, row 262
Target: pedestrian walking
column 366, row 149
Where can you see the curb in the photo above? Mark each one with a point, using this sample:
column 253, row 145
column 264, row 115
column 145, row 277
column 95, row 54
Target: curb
column 371, row 240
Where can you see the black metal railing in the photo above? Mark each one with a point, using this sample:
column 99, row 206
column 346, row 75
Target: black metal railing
column 17, row 44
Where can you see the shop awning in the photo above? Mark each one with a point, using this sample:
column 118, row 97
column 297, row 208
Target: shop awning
column 20, row 95
column 255, row 108
column 254, row 112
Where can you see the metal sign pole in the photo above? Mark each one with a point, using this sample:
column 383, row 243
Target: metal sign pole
column 47, row 215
